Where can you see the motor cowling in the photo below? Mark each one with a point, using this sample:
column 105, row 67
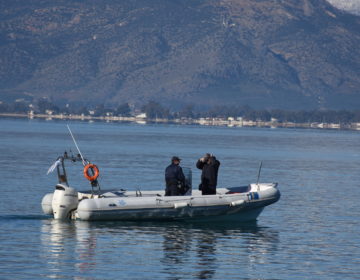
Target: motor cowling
column 65, row 200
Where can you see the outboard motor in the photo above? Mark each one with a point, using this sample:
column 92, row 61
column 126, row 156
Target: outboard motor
column 65, row 200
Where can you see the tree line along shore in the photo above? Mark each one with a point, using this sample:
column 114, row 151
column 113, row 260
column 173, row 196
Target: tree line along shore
column 241, row 116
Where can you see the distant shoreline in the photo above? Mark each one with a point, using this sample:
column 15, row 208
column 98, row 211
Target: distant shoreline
column 230, row 122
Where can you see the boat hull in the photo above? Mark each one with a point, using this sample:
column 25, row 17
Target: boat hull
column 224, row 207
column 155, row 215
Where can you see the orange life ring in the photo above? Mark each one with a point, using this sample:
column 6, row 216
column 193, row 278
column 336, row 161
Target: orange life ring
column 94, row 169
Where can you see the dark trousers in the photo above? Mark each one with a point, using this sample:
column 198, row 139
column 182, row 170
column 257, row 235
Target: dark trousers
column 172, row 190
column 207, row 190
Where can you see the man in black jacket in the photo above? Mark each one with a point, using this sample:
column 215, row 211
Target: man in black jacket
column 174, row 177
column 210, row 167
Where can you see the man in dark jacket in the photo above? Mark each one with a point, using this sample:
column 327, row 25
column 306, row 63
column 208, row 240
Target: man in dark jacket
column 174, row 177
column 210, row 167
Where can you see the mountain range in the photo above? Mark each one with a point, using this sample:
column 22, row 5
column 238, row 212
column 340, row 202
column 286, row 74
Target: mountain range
column 286, row 54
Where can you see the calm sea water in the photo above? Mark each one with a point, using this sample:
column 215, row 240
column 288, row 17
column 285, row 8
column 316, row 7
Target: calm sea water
column 313, row 232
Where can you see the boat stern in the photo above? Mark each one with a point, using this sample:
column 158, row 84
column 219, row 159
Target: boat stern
column 65, row 200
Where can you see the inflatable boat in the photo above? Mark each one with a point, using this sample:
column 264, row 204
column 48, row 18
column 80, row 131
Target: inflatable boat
column 243, row 203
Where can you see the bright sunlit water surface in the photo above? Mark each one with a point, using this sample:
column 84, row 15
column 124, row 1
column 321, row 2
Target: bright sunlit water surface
column 311, row 233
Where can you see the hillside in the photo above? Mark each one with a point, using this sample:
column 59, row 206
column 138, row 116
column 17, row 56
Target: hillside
column 267, row 54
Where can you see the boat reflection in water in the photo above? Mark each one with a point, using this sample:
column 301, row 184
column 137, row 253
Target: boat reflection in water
column 67, row 247
column 174, row 250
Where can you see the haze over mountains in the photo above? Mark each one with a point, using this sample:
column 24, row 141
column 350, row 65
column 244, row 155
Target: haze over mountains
column 288, row 54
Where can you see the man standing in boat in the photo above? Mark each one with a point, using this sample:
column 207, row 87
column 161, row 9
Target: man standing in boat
column 210, row 167
column 174, row 177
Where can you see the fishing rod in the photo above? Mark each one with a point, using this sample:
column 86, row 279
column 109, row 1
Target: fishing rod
column 77, row 147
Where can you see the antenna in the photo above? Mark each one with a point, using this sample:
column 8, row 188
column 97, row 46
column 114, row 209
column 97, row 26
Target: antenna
column 77, row 147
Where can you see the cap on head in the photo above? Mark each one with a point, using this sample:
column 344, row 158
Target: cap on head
column 207, row 155
column 175, row 158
